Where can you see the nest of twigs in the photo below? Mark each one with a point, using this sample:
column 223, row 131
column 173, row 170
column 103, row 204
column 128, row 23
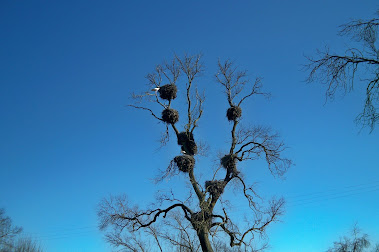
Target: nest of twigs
column 229, row 163
column 215, row 187
column 183, row 137
column 168, row 92
column 200, row 219
column 187, row 143
column 233, row 113
column 170, row 116
column 185, row 163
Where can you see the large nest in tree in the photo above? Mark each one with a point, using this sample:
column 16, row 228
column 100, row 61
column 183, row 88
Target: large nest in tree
column 168, row 92
column 229, row 163
column 233, row 113
column 185, row 163
column 183, row 137
column 215, row 187
column 170, row 116
column 187, row 141
column 200, row 219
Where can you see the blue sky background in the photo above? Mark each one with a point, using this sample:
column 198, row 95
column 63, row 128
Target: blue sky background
column 67, row 69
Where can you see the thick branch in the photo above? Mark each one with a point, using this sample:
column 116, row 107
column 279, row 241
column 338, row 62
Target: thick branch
column 195, row 186
column 155, row 213
column 116, row 212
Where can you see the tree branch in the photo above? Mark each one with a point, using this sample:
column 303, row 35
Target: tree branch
column 143, row 108
column 116, row 211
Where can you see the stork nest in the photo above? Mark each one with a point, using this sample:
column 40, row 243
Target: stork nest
column 187, row 143
column 168, row 92
column 185, row 163
column 215, row 187
column 183, row 137
column 200, row 219
column 229, row 163
column 170, row 116
column 233, row 113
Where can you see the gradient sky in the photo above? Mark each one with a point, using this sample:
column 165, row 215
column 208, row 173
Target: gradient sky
column 67, row 69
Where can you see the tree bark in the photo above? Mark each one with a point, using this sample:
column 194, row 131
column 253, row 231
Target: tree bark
column 203, row 235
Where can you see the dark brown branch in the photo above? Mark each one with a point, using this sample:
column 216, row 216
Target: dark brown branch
column 234, row 139
column 153, row 231
column 155, row 213
column 197, row 110
column 255, row 91
column 175, row 129
column 143, row 108
column 117, row 212
column 252, row 204
column 195, row 185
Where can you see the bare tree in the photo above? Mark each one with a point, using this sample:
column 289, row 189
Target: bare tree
column 10, row 239
column 7, row 230
column 339, row 71
column 356, row 243
column 25, row 244
column 204, row 211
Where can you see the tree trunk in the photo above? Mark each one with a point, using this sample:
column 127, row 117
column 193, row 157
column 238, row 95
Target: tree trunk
column 204, row 240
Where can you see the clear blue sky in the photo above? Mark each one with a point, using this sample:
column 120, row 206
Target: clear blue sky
column 67, row 69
